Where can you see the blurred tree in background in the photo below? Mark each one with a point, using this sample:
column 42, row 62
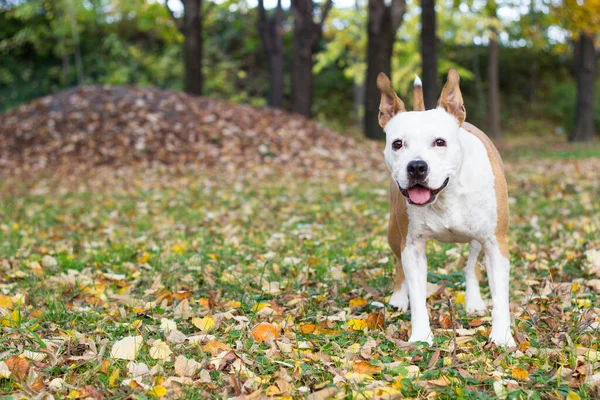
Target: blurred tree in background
column 526, row 67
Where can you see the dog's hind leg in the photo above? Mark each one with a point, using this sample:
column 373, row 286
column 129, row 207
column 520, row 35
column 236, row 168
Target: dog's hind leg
column 474, row 302
column 399, row 297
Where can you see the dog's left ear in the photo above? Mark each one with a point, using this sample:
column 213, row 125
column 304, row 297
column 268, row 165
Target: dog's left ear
column 390, row 102
column 451, row 98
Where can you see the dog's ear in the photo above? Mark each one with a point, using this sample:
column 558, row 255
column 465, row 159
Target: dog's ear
column 451, row 98
column 390, row 102
column 418, row 102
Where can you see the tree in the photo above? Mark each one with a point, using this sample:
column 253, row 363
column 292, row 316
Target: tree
column 271, row 33
column 429, row 52
column 382, row 26
column 585, row 73
column 494, row 129
column 583, row 20
column 307, row 34
column 191, row 28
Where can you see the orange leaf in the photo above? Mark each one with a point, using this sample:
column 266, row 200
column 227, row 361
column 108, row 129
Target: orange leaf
column 445, row 321
column 19, row 367
column 263, row 331
column 476, row 322
column 308, row 328
column 363, row 367
column 375, row 320
column 524, row 346
column 519, row 373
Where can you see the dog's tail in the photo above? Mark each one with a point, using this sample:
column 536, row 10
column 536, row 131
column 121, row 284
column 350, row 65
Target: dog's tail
column 418, row 102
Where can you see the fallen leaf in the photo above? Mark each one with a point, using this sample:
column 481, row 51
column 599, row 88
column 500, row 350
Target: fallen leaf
column 160, row 350
column 18, row 366
column 264, row 331
column 519, row 373
column 363, row 367
column 358, row 302
column 127, row 348
column 205, row 324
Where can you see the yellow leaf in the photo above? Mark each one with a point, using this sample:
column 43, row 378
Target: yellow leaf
column 573, row 396
column 358, row 302
column 144, row 258
column 73, row 394
column 582, row 303
column 204, row 324
column 6, row 302
column 357, row 324
column 235, row 304
column 260, row 306
column 158, row 391
column 112, row 380
column 460, row 298
column 519, row 373
column 214, row 347
column 177, row 248
column 398, row 382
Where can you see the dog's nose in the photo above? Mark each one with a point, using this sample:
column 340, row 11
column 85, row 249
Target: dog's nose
column 417, row 170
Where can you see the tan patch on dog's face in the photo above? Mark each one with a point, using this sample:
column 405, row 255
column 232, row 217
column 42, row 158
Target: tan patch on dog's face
column 499, row 186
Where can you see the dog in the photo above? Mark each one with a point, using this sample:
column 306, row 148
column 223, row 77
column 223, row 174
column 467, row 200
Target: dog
column 447, row 183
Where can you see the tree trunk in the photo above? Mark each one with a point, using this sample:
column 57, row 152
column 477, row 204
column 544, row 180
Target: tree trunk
column 379, row 59
column 494, row 88
column 307, row 33
column 383, row 23
column 192, row 30
column 429, row 53
column 585, row 70
column 271, row 32
column 302, row 80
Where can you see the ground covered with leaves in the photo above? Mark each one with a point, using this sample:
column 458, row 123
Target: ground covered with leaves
column 194, row 283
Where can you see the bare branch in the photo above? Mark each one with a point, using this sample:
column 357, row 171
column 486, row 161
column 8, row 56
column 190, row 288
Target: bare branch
column 325, row 12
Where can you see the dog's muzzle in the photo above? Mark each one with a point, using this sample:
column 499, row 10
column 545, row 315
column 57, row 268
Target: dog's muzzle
column 421, row 195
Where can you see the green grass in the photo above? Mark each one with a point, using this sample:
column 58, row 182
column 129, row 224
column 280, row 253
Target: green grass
column 216, row 240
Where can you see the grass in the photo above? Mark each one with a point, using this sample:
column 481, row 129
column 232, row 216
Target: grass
column 87, row 261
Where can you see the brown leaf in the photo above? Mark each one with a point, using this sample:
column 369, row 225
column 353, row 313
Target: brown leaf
column 18, row 366
column 476, row 322
column 375, row 320
column 445, row 321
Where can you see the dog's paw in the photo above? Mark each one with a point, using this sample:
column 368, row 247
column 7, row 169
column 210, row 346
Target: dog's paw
column 504, row 339
column 399, row 300
column 426, row 337
column 475, row 305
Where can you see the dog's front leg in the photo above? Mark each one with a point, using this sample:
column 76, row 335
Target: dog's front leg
column 414, row 263
column 498, row 268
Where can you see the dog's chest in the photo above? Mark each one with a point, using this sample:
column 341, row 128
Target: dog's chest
column 466, row 221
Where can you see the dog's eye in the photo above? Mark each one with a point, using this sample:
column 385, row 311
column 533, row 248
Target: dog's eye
column 397, row 144
column 440, row 143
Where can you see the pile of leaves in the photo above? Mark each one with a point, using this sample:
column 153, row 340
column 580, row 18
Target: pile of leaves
column 95, row 125
column 144, row 283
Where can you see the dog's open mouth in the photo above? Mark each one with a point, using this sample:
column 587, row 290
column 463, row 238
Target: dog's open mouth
column 421, row 195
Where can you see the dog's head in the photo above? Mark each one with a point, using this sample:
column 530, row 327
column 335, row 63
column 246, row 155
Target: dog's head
column 423, row 151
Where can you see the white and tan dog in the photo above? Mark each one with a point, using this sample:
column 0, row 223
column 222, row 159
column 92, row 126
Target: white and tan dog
column 447, row 184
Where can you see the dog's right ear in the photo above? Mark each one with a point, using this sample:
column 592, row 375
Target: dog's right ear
column 390, row 102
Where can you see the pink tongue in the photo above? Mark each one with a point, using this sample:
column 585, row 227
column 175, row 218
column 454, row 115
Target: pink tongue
column 419, row 194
